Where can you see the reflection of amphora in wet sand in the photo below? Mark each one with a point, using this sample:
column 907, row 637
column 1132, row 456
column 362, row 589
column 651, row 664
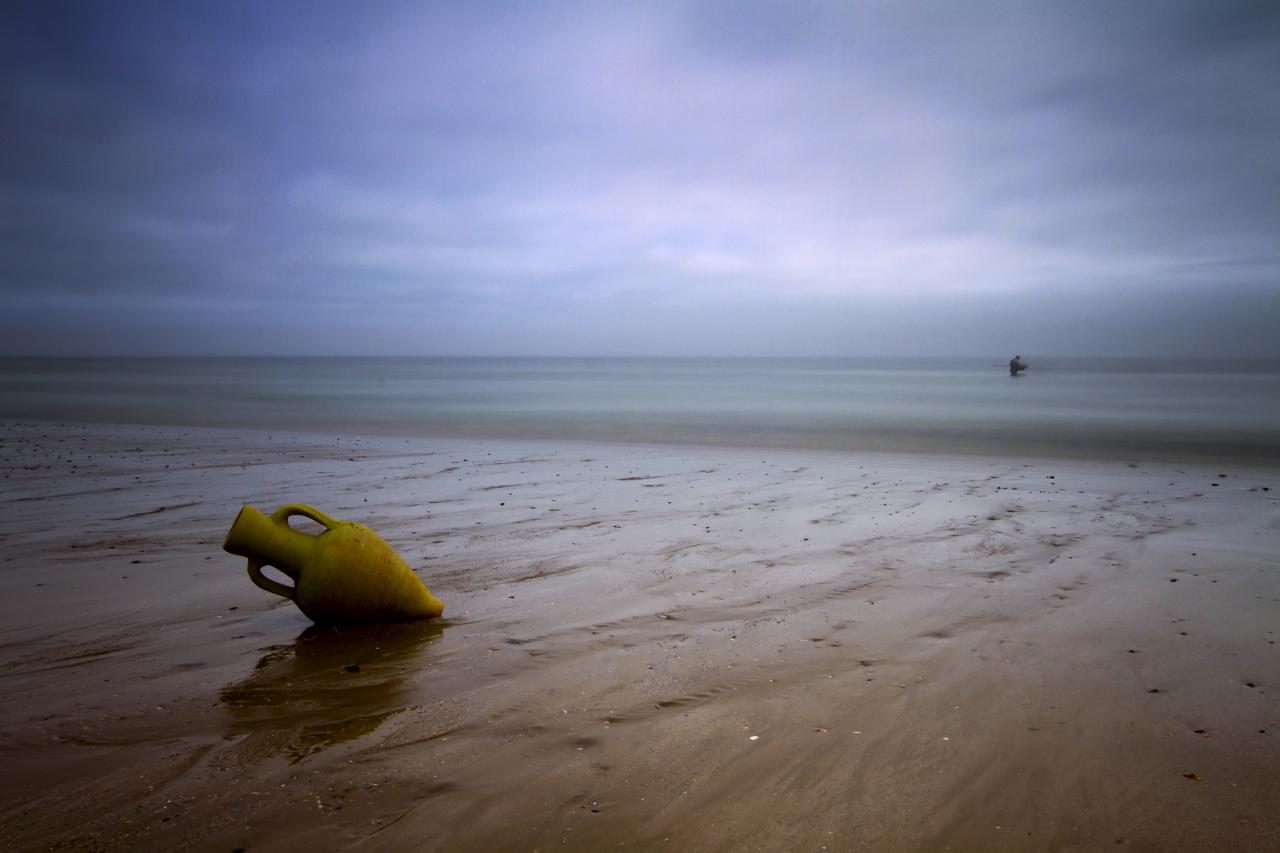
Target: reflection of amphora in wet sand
column 345, row 574
column 333, row 684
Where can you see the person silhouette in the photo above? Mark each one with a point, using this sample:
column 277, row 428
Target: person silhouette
column 1016, row 365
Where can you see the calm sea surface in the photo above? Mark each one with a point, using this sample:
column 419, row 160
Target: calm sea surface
column 1112, row 409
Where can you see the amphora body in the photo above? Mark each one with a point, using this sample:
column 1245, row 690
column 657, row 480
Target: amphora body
column 345, row 574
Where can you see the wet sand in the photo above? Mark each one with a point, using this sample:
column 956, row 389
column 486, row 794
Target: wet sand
column 643, row 648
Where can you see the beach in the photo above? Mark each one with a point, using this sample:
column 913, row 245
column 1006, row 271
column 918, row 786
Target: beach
column 644, row 647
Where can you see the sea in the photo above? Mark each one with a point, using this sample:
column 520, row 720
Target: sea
column 1078, row 408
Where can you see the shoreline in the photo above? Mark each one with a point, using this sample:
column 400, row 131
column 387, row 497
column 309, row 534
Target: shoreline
column 1261, row 453
column 940, row 652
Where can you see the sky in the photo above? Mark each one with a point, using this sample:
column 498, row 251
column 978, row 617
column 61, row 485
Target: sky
column 656, row 178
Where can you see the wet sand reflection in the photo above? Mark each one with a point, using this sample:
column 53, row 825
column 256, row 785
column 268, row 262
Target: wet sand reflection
column 331, row 685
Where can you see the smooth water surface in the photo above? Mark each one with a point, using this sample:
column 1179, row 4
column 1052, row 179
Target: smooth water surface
column 1169, row 409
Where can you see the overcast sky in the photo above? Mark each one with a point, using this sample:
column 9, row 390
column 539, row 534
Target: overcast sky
column 550, row 178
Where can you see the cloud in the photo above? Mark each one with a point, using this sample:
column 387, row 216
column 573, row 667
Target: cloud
column 750, row 177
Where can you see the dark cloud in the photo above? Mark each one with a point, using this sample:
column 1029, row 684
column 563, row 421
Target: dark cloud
column 668, row 178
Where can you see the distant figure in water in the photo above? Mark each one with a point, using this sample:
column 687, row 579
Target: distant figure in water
column 1016, row 365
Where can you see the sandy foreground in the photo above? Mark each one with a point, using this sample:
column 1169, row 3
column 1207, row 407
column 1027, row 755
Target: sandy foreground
column 643, row 648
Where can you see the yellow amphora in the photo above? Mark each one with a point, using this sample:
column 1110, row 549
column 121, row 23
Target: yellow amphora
column 345, row 574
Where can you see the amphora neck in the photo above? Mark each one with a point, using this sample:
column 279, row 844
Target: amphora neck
column 271, row 542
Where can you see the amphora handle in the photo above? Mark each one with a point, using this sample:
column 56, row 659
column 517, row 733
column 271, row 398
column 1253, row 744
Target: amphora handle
column 287, row 511
column 256, row 575
column 282, row 516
